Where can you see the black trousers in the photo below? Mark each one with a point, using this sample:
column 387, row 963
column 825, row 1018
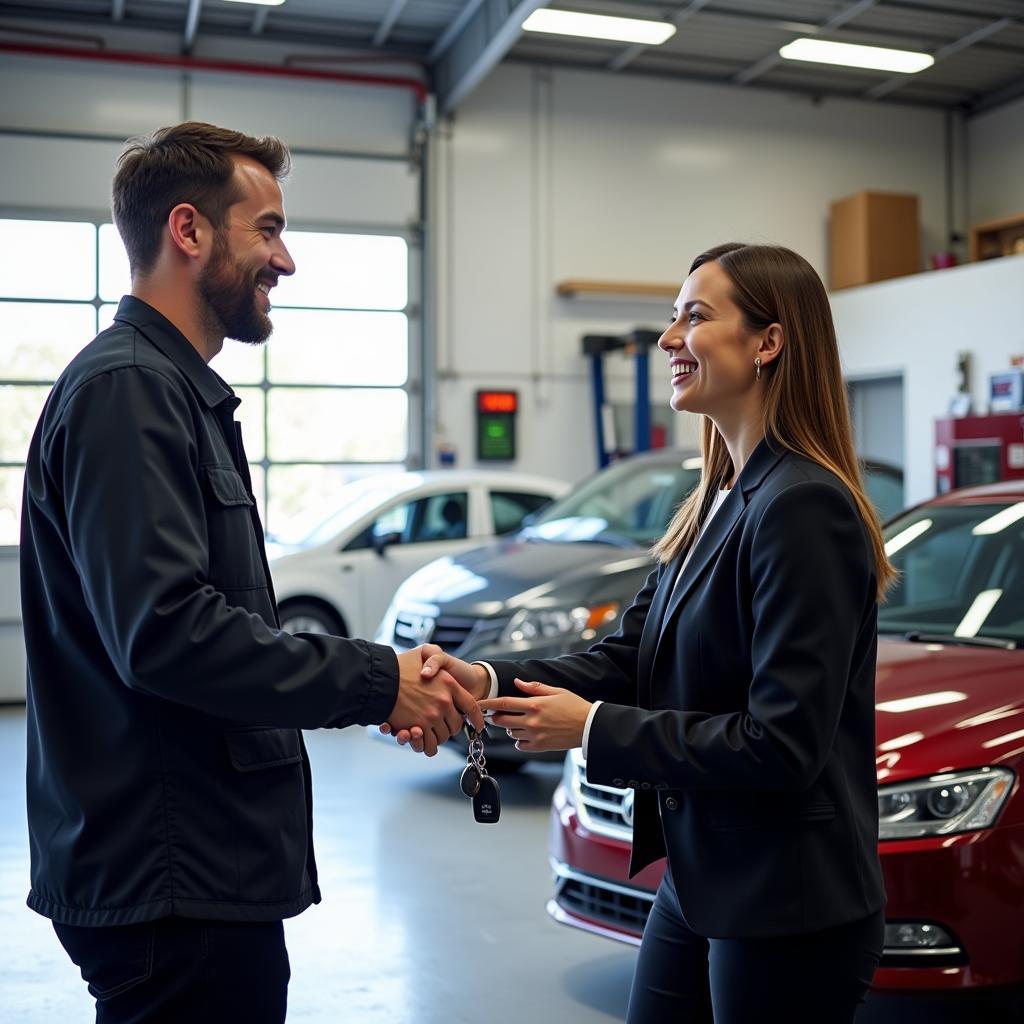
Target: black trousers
column 176, row 970
column 818, row 978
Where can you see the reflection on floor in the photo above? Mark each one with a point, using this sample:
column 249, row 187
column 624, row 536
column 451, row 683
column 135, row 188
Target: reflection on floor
column 428, row 918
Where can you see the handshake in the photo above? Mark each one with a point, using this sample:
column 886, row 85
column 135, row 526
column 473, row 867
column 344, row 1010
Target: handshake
column 436, row 691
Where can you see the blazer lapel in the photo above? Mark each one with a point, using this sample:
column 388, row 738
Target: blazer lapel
column 652, row 625
column 704, row 552
column 762, row 461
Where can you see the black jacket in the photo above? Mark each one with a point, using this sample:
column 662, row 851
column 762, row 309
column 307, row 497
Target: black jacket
column 741, row 706
column 166, row 772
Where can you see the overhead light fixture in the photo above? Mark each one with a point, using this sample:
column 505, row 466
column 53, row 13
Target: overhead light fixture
column 258, row 3
column 851, row 55
column 599, row 26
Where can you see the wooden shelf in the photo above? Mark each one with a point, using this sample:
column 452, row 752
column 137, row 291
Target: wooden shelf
column 1002, row 237
column 568, row 289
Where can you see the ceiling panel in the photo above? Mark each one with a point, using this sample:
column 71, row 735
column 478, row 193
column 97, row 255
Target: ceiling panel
column 723, row 38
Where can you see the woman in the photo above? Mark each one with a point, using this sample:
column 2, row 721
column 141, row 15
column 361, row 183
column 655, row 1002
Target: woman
column 737, row 697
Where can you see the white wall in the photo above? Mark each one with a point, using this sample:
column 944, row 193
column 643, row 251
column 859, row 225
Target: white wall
column 553, row 175
column 996, row 163
column 916, row 326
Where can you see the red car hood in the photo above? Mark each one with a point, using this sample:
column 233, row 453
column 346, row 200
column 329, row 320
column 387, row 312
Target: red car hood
column 941, row 708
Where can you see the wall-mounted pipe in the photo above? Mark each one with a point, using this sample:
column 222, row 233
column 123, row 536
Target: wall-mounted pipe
column 185, row 63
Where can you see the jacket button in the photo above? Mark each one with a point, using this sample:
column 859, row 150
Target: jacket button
column 618, row 782
column 632, row 783
column 671, row 803
column 645, row 785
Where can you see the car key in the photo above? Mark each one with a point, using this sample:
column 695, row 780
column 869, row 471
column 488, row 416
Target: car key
column 476, row 783
column 487, row 802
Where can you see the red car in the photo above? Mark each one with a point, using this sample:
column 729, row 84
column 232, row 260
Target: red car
column 950, row 753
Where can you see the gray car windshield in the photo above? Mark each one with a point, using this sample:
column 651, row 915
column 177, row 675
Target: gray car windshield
column 629, row 504
column 961, row 572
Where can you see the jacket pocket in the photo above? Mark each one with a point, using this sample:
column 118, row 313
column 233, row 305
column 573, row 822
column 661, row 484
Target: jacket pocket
column 233, row 548
column 226, row 485
column 252, row 750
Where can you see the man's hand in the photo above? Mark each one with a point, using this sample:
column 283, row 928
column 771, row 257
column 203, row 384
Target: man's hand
column 434, row 704
column 549, row 719
column 436, row 665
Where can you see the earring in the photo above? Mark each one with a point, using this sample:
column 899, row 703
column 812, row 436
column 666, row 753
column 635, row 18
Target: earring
column 757, row 368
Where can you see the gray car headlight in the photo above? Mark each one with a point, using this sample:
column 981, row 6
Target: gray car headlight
column 538, row 625
column 942, row 805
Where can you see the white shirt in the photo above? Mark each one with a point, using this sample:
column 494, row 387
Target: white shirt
column 715, row 506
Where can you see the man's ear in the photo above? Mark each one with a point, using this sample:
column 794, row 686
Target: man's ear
column 772, row 344
column 189, row 230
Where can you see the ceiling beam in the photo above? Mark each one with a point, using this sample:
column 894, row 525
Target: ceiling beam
column 630, row 53
column 259, row 20
column 191, row 25
column 770, row 60
column 485, row 37
column 451, row 33
column 117, row 10
column 388, row 22
column 891, row 84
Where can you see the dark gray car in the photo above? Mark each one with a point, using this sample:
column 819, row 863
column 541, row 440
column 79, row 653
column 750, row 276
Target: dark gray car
column 563, row 581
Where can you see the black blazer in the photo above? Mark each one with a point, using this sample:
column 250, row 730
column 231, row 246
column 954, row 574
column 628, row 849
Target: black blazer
column 741, row 706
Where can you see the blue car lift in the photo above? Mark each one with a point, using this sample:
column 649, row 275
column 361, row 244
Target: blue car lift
column 636, row 344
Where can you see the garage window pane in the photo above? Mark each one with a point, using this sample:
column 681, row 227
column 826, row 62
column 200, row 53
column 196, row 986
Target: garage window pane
column 250, row 414
column 40, row 338
column 324, row 424
column 12, row 480
column 47, row 259
column 20, row 407
column 256, row 472
column 345, row 271
column 335, row 347
column 105, row 316
column 115, row 277
column 239, row 363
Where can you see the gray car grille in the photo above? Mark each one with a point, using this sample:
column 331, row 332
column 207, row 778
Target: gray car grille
column 454, row 633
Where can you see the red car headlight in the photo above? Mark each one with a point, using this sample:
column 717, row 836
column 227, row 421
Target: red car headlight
column 942, row 805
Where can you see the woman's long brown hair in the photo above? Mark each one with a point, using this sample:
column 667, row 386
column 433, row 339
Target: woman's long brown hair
column 805, row 405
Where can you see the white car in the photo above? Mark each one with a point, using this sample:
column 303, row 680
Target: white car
column 340, row 578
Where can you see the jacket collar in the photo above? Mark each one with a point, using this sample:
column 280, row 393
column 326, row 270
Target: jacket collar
column 762, row 461
column 172, row 343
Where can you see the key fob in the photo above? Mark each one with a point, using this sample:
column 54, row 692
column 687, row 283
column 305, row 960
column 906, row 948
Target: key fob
column 470, row 781
column 487, row 802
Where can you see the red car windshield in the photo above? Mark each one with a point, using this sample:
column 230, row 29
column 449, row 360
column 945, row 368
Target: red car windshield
column 961, row 572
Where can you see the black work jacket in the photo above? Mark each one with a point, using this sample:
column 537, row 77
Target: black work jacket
column 740, row 703
column 166, row 772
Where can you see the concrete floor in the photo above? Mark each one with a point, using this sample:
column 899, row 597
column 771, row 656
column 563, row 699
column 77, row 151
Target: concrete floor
column 427, row 918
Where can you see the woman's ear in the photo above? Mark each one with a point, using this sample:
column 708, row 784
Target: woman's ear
column 772, row 344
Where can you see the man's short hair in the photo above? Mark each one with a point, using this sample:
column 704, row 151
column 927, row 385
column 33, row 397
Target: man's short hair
column 185, row 163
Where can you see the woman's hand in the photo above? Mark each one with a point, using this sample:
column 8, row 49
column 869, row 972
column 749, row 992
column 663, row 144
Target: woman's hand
column 548, row 719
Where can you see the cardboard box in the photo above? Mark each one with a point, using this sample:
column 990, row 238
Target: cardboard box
column 873, row 236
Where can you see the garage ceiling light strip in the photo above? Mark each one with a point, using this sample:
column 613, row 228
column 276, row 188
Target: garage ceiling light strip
column 599, row 26
column 854, row 55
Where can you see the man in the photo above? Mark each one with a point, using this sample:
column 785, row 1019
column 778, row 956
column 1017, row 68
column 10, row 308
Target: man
column 169, row 798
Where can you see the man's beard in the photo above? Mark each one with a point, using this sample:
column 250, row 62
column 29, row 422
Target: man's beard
column 229, row 303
